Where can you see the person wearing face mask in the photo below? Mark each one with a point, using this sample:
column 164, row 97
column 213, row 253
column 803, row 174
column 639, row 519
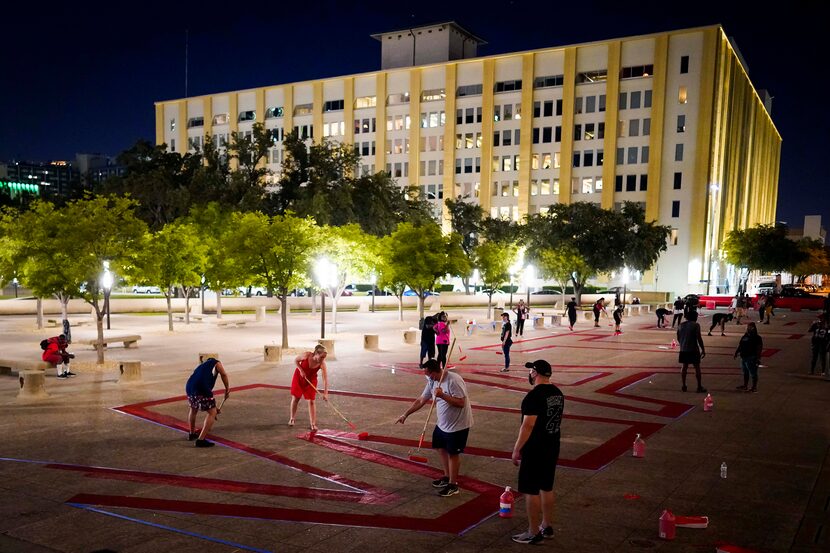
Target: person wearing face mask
column 536, row 451
column 455, row 417
column 750, row 348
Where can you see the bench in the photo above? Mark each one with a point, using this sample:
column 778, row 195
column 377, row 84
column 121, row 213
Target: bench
column 54, row 323
column 128, row 341
column 194, row 317
column 224, row 322
column 13, row 367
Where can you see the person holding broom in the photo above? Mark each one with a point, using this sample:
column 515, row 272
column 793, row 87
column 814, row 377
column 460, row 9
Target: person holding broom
column 199, row 390
column 304, row 383
column 455, row 417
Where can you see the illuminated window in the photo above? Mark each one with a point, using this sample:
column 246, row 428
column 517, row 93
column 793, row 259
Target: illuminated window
column 393, row 99
column 544, row 187
column 556, row 160
column 172, row 124
column 681, row 95
column 221, row 119
column 673, row 237
column 598, row 184
column 534, row 188
column 546, row 161
column 592, row 76
column 433, row 95
column 247, row 115
column 555, row 189
column 587, row 185
column 365, row 102
column 303, row 109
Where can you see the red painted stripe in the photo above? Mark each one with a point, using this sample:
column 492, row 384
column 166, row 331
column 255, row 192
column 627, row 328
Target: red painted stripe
column 226, row 485
column 454, row 521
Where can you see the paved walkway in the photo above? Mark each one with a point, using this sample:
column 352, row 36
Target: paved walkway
column 102, row 465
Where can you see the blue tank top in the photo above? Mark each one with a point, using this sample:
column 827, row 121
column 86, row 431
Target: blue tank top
column 203, row 379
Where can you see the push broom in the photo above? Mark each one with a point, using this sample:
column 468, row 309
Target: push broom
column 412, row 454
column 342, row 416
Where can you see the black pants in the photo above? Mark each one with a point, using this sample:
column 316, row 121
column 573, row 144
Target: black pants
column 427, row 349
column 442, row 354
column 520, row 326
column 819, row 351
column 678, row 318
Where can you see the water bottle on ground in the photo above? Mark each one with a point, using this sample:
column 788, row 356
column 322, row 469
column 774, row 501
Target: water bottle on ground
column 506, row 503
column 708, row 402
column 639, row 447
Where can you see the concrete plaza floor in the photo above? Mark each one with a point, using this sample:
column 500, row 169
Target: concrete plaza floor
column 100, row 465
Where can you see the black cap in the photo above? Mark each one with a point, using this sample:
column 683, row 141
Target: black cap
column 540, row 366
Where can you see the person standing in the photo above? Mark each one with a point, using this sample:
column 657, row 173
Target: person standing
column 427, row 340
column 455, row 418
column 199, row 390
column 692, row 349
column 678, row 312
column 761, row 305
column 506, row 340
column 769, row 308
column 818, row 343
column 442, row 338
column 618, row 314
column 570, row 309
column 54, row 353
column 304, row 383
column 661, row 316
column 536, row 451
column 599, row 306
column 522, row 312
column 750, row 348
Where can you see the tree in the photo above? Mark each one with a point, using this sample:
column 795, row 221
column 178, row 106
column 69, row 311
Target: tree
column 816, row 261
column 763, row 248
column 493, row 260
column 390, row 276
column 354, row 254
column 645, row 241
column 423, row 255
column 465, row 218
column 562, row 264
column 172, row 257
column 277, row 251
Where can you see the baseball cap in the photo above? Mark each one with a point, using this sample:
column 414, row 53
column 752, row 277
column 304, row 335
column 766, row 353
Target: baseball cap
column 540, row 366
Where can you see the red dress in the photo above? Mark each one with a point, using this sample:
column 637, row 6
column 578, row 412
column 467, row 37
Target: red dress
column 299, row 386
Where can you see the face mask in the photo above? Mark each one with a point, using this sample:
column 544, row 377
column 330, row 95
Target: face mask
column 530, row 379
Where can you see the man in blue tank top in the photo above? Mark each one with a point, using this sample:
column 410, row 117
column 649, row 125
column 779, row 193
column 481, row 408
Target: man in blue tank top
column 199, row 389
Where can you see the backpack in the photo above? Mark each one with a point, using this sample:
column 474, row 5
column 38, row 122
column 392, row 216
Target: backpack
column 44, row 344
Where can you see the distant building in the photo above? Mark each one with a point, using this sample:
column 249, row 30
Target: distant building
column 812, row 229
column 96, row 168
column 55, row 178
column 669, row 120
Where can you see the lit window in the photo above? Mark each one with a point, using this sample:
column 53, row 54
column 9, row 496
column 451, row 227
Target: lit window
column 433, row 95
column 270, row 113
column 681, row 95
column 673, row 237
column 365, row 102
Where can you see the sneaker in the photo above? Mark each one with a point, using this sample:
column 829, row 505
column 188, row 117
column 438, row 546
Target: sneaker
column 192, row 436
column 527, row 537
column 448, row 490
column 63, row 375
column 754, row 390
column 546, row 531
column 504, row 370
column 683, row 389
column 204, row 443
column 70, row 373
column 441, row 482
column 701, row 390
column 740, row 387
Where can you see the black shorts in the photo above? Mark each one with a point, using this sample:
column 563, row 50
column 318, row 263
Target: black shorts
column 453, row 442
column 537, row 471
column 689, row 357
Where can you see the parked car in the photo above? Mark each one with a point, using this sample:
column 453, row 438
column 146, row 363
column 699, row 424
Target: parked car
column 410, row 292
column 794, row 298
column 546, row 293
column 496, row 292
column 146, row 290
column 351, row 289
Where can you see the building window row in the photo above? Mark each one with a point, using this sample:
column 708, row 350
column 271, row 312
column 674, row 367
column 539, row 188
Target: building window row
column 636, row 71
column 634, row 153
column 365, row 148
column 467, row 116
column 303, row 109
column 432, row 191
column 586, row 158
column 586, row 185
column 545, row 161
column 364, row 125
column 587, row 104
column 635, row 99
column 591, row 131
column 365, row 102
column 397, row 170
column 431, row 168
column 548, row 81
column 507, row 112
column 467, row 165
column 333, row 105
column 433, row 143
column 397, row 122
column 630, row 183
column 467, row 189
column 508, row 86
column 394, row 99
column 505, row 163
column 273, row 112
column 506, row 138
column 468, row 90
column 334, row 128
column 545, row 135
column 599, row 75
column 433, row 95
column 468, row 140
column 432, row 119
column 544, row 187
column 634, row 127
column 304, row 131
column 397, row 146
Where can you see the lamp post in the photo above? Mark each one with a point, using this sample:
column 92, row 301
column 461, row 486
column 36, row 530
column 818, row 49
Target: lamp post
column 325, row 271
column 530, row 276
column 202, row 293
column 15, row 284
column 106, row 282
column 476, row 278
column 714, row 188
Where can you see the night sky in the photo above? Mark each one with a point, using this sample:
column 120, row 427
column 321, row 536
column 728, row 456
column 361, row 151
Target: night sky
column 84, row 78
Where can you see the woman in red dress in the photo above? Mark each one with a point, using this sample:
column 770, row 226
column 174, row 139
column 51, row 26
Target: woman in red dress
column 304, row 383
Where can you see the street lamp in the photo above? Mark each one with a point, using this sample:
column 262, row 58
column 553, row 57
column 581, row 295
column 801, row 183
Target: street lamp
column 325, row 271
column 15, row 284
column 106, row 282
column 515, row 268
column 476, row 278
column 202, row 293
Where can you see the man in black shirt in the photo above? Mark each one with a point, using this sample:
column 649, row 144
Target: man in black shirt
column 427, row 340
column 537, row 447
column 692, row 349
column 570, row 309
column 678, row 311
column 506, row 340
column 818, row 343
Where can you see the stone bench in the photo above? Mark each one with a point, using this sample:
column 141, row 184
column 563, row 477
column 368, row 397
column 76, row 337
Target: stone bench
column 13, row 367
column 225, row 322
column 370, row 341
column 272, row 353
column 130, row 371
column 329, row 345
column 32, row 385
column 539, row 322
column 54, row 323
column 128, row 341
column 194, row 317
column 410, row 336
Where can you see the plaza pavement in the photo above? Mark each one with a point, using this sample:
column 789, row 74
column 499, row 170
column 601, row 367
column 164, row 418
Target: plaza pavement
column 102, row 465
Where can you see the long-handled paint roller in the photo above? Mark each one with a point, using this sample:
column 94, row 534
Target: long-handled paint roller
column 412, row 455
column 224, row 399
column 342, row 416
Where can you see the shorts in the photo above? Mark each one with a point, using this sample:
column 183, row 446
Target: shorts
column 300, row 388
column 689, row 357
column 453, row 442
column 55, row 358
column 202, row 403
column 537, row 471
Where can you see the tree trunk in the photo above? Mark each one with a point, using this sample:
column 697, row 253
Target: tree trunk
column 219, row 304
column 490, row 306
column 39, row 313
column 465, row 280
column 186, row 292
column 64, row 317
column 577, row 291
column 99, row 325
column 421, row 300
column 284, row 319
column 169, row 309
column 400, row 307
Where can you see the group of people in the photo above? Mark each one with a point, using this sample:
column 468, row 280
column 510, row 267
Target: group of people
column 435, row 333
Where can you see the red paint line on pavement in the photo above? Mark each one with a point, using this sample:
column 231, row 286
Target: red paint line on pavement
column 226, row 485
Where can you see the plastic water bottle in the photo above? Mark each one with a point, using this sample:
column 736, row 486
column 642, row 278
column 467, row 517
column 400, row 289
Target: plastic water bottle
column 723, row 470
column 708, row 402
column 639, row 447
column 506, row 503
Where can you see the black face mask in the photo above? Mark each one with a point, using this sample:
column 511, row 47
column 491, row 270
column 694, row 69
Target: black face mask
column 530, row 379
